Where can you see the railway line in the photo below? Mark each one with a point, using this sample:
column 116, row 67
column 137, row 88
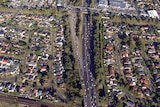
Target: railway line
column 26, row 101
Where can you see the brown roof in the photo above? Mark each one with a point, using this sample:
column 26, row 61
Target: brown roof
column 109, row 48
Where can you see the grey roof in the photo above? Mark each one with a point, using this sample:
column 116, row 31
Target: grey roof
column 117, row 3
column 103, row 2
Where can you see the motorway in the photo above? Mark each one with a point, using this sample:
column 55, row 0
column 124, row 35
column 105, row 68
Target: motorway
column 83, row 59
column 89, row 99
column 87, row 76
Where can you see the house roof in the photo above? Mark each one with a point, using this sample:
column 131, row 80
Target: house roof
column 109, row 48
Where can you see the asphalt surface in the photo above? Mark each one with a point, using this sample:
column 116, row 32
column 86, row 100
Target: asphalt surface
column 85, row 63
column 88, row 79
column 106, row 9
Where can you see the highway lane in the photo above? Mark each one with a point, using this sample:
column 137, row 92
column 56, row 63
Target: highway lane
column 88, row 79
column 90, row 98
column 85, row 67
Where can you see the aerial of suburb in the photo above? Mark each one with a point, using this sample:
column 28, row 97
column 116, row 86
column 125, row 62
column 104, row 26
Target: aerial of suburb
column 79, row 53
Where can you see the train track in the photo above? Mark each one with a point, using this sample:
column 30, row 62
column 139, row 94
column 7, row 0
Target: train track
column 26, row 101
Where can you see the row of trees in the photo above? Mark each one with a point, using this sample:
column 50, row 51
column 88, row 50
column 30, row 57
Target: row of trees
column 134, row 20
column 72, row 78
column 100, row 74
column 78, row 23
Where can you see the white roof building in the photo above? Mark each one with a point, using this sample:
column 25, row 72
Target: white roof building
column 153, row 14
column 103, row 3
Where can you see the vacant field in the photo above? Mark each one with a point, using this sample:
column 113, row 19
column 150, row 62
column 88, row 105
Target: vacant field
column 5, row 104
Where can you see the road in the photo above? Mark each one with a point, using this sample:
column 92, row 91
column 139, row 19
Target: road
column 86, row 71
column 83, row 58
column 106, row 9
column 118, row 58
column 28, row 44
column 89, row 99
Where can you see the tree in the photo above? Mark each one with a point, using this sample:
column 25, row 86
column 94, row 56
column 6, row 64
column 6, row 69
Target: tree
column 140, row 43
column 73, row 85
column 131, row 43
column 71, row 76
column 41, row 81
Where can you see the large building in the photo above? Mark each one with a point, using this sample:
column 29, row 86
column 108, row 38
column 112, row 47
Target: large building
column 117, row 3
column 113, row 3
